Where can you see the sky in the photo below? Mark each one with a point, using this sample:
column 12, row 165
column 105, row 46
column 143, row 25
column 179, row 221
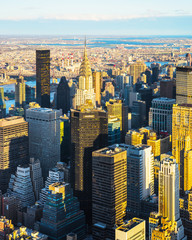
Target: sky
column 105, row 17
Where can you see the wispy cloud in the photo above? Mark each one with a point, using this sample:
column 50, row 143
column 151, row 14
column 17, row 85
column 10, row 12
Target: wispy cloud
column 87, row 17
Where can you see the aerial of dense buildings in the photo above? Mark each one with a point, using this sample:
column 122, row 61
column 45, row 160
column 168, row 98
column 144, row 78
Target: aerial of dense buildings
column 95, row 142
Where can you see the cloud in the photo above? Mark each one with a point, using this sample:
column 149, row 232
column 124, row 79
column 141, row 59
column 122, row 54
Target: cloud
column 94, row 17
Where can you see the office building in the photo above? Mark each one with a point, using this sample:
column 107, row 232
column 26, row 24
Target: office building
column 138, row 118
column 25, row 233
column 155, row 72
column 131, row 230
column 32, row 215
column 136, row 69
column 61, row 213
column 109, row 190
column 118, row 109
column 167, row 88
column 182, row 144
column 14, row 148
column 71, row 236
column 160, row 114
column 169, row 224
column 183, row 85
column 55, row 175
column 36, row 176
column 21, row 186
column 85, row 91
column 20, row 98
column 108, row 92
column 63, row 96
column 65, row 138
column 2, row 104
column 44, row 136
column 89, row 132
column 170, row 71
column 10, row 205
column 97, row 87
column 114, row 133
column 43, row 78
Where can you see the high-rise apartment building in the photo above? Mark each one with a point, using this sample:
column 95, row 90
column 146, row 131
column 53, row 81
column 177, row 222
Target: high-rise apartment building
column 85, row 91
column 183, row 85
column 182, row 143
column 160, row 114
column 131, row 230
column 44, row 136
column 2, row 104
column 168, row 223
column 89, row 132
column 61, row 213
column 167, row 88
column 97, row 87
column 14, row 147
column 109, row 190
column 43, row 78
column 63, row 96
column 155, row 72
column 20, row 98
column 136, row 69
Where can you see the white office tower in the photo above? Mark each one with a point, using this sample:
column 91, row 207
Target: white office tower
column 160, row 114
column 85, row 91
column 167, row 222
column 36, row 176
column 55, row 175
column 140, row 174
column 44, row 136
column 21, row 186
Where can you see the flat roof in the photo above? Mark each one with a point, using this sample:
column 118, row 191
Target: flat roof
column 130, row 224
column 11, row 121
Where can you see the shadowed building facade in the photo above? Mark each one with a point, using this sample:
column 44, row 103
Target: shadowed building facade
column 89, row 132
column 43, row 77
column 63, row 95
column 14, row 147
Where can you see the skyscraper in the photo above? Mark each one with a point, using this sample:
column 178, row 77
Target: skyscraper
column 61, row 213
column 182, row 143
column 20, row 98
column 160, row 114
column 169, row 223
column 43, row 78
column 183, row 85
column 21, row 186
column 63, row 96
column 97, row 87
column 14, row 149
column 136, row 69
column 89, row 132
column 118, row 109
column 2, row 104
column 44, row 136
column 109, row 189
column 85, row 90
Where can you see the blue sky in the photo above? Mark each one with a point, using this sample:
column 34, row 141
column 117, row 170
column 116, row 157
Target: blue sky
column 114, row 17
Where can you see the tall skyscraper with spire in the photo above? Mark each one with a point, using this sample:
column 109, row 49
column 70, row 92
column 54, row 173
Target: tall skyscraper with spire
column 85, row 89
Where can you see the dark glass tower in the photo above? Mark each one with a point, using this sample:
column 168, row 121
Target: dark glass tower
column 61, row 213
column 43, row 77
column 89, row 132
column 63, row 96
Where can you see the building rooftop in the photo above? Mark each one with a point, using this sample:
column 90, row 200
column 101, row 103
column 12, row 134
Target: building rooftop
column 44, row 110
column 11, row 121
column 111, row 150
column 130, row 224
column 185, row 69
column 163, row 99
